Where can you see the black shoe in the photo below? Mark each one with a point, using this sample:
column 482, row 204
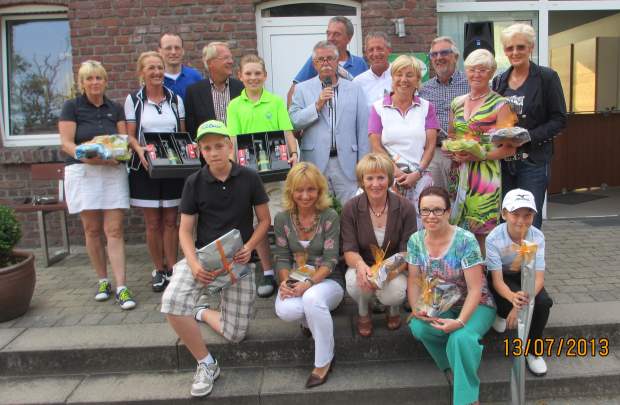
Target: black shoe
column 267, row 287
column 159, row 281
column 168, row 275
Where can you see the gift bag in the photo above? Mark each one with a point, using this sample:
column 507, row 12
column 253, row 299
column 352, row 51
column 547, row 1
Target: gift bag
column 436, row 295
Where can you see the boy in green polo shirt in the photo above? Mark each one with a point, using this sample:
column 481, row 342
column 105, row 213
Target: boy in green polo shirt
column 257, row 110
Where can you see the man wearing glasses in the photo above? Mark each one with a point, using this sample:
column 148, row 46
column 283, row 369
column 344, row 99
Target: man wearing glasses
column 339, row 32
column 177, row 76
column 333, row 114
column 208, row 99
column 447, row 84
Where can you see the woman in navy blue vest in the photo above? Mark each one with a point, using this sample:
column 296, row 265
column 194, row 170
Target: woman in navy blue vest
column 155, row 108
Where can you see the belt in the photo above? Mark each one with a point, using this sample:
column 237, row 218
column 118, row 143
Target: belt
column 333, row 153
column 516, row 156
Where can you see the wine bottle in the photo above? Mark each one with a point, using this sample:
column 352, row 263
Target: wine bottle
column 263, row 160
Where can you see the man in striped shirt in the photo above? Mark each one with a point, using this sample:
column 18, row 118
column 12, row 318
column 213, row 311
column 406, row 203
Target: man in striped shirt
column 441, row 90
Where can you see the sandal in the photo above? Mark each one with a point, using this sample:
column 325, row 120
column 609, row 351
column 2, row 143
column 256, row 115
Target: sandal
column 393, row 322
column 364, row 325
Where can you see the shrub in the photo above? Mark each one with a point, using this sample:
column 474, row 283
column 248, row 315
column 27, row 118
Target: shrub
column 10, row 234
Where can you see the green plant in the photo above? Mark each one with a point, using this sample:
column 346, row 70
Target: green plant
column 10, row 234
column 336, row 205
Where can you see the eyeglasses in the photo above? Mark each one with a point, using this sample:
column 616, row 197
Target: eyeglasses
column 327, row 59
column 478, row 70
column 425, row 212
column 519, row 48
column 443, row 52
column 225, row 58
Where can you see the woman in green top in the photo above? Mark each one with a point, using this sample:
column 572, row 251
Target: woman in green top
column 257, row 110
column 307, row 236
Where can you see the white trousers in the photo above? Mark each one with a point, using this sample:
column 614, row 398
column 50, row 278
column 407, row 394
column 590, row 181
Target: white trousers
column 313, row 310
column 392, row 294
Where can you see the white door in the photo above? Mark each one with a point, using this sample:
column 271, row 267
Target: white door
column 285, row 43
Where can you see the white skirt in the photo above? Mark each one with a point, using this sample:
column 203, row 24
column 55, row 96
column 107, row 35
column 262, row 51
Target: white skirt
column 96, row 187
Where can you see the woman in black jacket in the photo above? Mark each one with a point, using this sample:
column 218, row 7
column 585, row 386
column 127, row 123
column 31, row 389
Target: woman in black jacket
column 537, row 93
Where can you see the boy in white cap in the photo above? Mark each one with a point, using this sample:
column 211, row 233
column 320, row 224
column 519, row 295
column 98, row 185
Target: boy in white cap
column 218, row 198
column 519, row 211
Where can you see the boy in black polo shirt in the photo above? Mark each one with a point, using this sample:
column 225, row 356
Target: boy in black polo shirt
column 219, row 197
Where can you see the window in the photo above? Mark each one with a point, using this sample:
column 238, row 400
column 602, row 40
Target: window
column 37, row 76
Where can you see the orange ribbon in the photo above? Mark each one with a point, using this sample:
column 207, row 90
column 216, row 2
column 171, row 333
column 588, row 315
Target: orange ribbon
column 526, row 252
column 226, row 265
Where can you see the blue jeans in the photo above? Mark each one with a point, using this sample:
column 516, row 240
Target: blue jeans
column 529, row 176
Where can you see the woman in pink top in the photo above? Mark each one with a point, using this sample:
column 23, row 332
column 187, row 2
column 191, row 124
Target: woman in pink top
column 404, row 126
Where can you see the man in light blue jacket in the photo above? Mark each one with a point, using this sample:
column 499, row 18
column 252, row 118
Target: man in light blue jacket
column 333, row 115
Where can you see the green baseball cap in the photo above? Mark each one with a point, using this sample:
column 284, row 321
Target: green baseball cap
column 211, row 127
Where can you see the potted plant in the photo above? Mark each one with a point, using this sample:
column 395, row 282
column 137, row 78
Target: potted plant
column 17, row 275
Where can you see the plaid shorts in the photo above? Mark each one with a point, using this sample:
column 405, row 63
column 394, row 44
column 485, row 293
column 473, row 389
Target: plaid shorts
column 236, row 306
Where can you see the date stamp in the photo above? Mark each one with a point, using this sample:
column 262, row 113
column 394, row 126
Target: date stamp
column 569, row 347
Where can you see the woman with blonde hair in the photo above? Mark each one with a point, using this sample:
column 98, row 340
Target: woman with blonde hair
column 97, row 189
column 378, row 218
column 155, row 108
column 404, row 126
column 536, row 92
column 307, row 235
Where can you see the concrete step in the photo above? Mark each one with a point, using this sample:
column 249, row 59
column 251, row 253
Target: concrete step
column 361, row 383
column 271, row 342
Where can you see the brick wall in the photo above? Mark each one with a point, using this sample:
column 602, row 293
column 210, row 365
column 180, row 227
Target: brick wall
column 116, row 32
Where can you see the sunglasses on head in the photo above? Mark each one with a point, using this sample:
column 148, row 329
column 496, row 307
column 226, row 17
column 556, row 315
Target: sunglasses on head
column 443, row 52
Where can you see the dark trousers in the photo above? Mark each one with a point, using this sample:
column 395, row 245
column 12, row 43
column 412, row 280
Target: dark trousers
column 542, row 304
column 528, row 176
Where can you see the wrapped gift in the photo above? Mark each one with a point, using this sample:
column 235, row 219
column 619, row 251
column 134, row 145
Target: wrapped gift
column 384, row 270
column 106, row 147
column 217, row 257
column 436, row 295
column 302, row 270
column 466, row 144
column 515, row 136
column 525, row 262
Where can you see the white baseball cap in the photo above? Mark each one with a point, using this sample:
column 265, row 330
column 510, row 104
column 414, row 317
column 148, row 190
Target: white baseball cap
column 519, row 198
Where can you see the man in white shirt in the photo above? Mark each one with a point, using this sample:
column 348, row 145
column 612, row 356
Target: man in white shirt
column 376, row 81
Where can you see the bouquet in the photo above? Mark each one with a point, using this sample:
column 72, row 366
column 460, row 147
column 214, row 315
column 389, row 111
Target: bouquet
column 465, row 144
column 217, row 257
column 437, row 296
column 106, row 147
column 303, row 271
column 384, row 269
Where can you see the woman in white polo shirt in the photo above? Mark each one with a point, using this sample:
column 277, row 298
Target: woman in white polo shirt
column 404, row 126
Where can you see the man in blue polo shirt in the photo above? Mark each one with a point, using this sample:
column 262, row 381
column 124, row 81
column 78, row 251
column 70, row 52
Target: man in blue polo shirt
column 339, row 32
column 176, row 75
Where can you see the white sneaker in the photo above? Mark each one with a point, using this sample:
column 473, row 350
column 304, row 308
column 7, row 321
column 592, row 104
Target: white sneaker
column 205, row 375
column 536, row 365
column 499, row 325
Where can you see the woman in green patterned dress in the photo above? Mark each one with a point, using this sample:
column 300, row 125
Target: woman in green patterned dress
column 476, row 185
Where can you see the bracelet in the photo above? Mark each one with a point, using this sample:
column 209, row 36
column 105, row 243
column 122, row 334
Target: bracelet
column 294, row 153
column 459, row 321
column 310, row 281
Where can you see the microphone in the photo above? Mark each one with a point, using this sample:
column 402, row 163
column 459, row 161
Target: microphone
column 327, row 82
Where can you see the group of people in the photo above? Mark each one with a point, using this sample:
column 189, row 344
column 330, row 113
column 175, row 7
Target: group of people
column 368, row 136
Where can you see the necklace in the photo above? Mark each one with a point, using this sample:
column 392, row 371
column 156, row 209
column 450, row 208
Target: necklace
column 381, row 212
column 478, row 97
column 302, row 228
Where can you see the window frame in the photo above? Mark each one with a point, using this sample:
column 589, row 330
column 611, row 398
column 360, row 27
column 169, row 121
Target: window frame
column 14, row 14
